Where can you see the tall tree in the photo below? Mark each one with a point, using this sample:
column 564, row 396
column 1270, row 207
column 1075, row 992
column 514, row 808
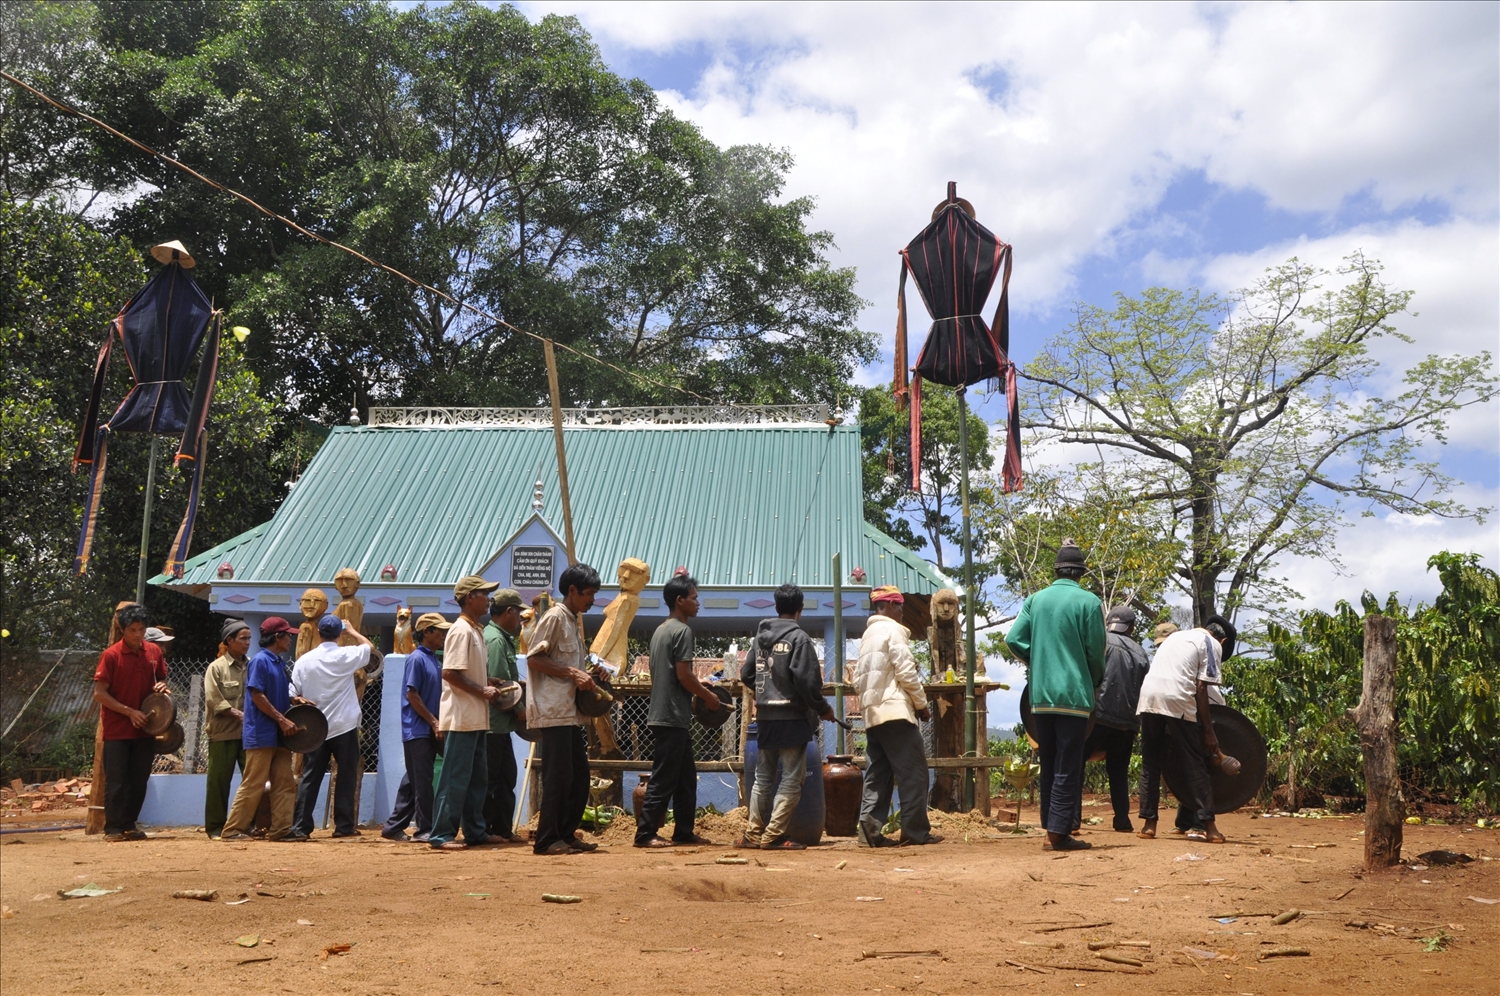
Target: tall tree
column 1249, row 424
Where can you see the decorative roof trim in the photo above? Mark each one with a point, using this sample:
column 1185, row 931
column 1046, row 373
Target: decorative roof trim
column 661, row 415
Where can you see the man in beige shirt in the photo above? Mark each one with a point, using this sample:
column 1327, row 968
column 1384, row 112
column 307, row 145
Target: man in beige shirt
column 224, row 702
column 464, row 718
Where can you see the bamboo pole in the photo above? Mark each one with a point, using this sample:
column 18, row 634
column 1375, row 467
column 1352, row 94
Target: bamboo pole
column 141, row 575
column 835, row 653
column 557, row 436
column 971, row 715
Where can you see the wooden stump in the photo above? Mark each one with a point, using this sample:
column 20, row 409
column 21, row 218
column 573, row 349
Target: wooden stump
column 947, row 792
column 1385, row 808
column 94, row 822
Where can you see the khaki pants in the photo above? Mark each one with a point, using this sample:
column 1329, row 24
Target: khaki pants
column 262, row 764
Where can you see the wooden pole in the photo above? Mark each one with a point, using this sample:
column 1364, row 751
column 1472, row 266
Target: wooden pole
column 835, row 653
column 141, row 570
column 1385, row 808
column 971, row 716
column 557, row 436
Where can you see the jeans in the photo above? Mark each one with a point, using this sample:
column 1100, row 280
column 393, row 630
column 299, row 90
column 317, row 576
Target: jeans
column 414, row 796
column 1116, row 745
column 565, row 785
column 500, row 799
column 461, row 788
column 769, row 817
column 223, row 756
column 127, row 768
column 1060, row 743
column 262, row 765
column 674, row 779
column 896, row 759
column 343, row 748
column 1186, row 740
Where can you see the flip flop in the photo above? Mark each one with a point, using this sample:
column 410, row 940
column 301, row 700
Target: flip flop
column 1197, row 835
column 1146, row 834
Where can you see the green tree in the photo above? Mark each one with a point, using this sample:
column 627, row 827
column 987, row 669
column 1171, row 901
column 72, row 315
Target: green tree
column 1247, row 425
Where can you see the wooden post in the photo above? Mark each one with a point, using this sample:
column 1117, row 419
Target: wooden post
column 190, row 724
column 94, row 822
column 557, row 436
column 1385, row 808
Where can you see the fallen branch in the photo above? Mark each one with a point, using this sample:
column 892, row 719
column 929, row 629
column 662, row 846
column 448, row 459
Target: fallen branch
column 1029, row 968
column 1077, row 926
column 1285, row 953
column 252, row 961
column 1101, row 945
column 1119, row 959
column 934, row 953
column 205, row 895
column 1282, row 919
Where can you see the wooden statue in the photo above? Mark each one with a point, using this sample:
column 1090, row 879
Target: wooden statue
column 314, row 606
column 403, row 642
column 349, row 608
column 943, row 636
column 612, row 641
column 529, row 618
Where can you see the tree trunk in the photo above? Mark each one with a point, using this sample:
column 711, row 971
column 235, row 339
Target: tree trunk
column 1385, row 808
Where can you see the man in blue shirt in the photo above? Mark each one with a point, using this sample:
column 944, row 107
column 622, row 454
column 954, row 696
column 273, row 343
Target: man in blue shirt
column 266, row 756
column 420, row 737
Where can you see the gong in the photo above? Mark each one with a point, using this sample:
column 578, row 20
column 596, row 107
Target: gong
column 1238, row 738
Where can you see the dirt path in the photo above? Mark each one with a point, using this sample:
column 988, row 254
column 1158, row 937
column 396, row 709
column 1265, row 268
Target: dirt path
column 423, row 921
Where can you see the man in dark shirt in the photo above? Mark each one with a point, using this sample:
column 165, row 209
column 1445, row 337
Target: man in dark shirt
column 420, row 737
column 1115, row 721
column 128, row 671
column 782, row 667
column 674, row 777
column 500, row 643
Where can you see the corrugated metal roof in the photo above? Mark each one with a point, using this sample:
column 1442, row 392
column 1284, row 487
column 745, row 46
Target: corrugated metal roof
column 736, row 505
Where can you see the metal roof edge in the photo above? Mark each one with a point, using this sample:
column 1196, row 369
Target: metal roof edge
column 219, row 550
column 906, row 556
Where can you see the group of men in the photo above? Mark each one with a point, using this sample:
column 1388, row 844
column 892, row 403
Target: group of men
column 1082, row 666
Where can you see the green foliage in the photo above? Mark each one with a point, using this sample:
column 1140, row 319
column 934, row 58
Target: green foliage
column 1447, row 677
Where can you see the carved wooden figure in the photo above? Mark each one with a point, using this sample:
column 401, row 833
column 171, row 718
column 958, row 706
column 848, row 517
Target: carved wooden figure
column 612, row 641
column 943, row 635
column 349, row 607
column 403, row 643
column 314, row 605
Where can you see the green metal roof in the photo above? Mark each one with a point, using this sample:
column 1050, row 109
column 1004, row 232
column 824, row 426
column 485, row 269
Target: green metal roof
column 736, row 505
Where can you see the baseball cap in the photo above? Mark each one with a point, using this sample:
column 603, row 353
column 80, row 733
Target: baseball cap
column 1121, row 619
column 471, row 583
column 504, row 599
column 330, row 626
column 273, row 626
column 155, row 635
column 430, row 620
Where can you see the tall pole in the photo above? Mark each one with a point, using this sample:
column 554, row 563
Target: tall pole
column 557, row 437
column 140, row 575
column 971, row 709
column 835, row 653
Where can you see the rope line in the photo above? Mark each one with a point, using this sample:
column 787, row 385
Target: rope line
column 462, row 305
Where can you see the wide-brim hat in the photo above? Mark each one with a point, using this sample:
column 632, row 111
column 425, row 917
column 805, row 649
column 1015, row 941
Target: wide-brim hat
column 173, row 252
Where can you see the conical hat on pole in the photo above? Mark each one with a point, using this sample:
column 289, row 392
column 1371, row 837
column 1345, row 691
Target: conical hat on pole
column 173, row 252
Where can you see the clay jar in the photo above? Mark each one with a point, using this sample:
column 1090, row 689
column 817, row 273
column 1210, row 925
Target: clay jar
column 638, row 797
column 843, row 785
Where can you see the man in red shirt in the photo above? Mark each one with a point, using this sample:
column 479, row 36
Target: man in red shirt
column 128, row 671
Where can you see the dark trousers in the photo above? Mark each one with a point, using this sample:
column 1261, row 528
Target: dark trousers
column 127, row 768
column 500, row 800
column 223, row 756
column 674, row 779
column 414, row 796
column 565, row 785
column 896, row 760
column 1060, row 746
column 1116, row 745
column 343, row 748
column 459, row 803
column 1185, row 739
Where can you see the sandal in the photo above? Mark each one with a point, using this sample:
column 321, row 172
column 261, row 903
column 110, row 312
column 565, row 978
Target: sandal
column 1196, row 835
column 654, row 843
column 783, row 845
column 1145, row 834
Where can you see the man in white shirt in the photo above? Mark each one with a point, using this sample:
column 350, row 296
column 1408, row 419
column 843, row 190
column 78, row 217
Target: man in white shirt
column 324, row 677
column 1174, row 708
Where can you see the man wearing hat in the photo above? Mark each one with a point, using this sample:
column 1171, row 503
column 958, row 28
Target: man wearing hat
column 266, row 757
column 224, row 703
column 421, row 739
column 1059, row 635
column 500, row 646
column 324, row 676
column 1115, row 721
column 891, row 699
column 128, row 671
column 464, row 718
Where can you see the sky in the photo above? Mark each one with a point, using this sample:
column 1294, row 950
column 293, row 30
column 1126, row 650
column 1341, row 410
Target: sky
column 1123, row 146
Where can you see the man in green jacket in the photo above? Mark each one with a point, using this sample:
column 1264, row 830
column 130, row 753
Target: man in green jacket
column 500, row 642
column 1059, row 635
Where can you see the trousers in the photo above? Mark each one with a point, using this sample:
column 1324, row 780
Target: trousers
column 127, row 769
column 262, row 765
column 1060, row 746
column 896, row 760
column 223, row 757
column 565, row 785
column 769, row 816
column 343, row 748
column 1185, row 738
column 414, row 795
column 674, row 780
column 500, row 799
column 1116, row 745
column 459, row 803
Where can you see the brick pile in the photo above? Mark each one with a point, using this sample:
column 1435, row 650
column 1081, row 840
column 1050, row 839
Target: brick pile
column 65, row 793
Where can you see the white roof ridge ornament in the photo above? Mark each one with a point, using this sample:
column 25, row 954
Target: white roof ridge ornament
column 652, row 415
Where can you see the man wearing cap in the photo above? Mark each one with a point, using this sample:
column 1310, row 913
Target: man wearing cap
column 128, row 671
column 1115, row 721
column 891, row 699
column 555, row 666
column 266, row 757
column 421, row 739
column 1059, row 635
column 464, row 718
column 324, row 676
column 500, row 647
column 224, row 702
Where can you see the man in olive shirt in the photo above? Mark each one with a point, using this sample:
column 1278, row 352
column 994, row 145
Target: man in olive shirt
column 224, row 701
column 500, row 640
column 674, row 777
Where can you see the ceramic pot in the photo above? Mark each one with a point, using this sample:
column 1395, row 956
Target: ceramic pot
column 843, row 786
column 638, row 797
